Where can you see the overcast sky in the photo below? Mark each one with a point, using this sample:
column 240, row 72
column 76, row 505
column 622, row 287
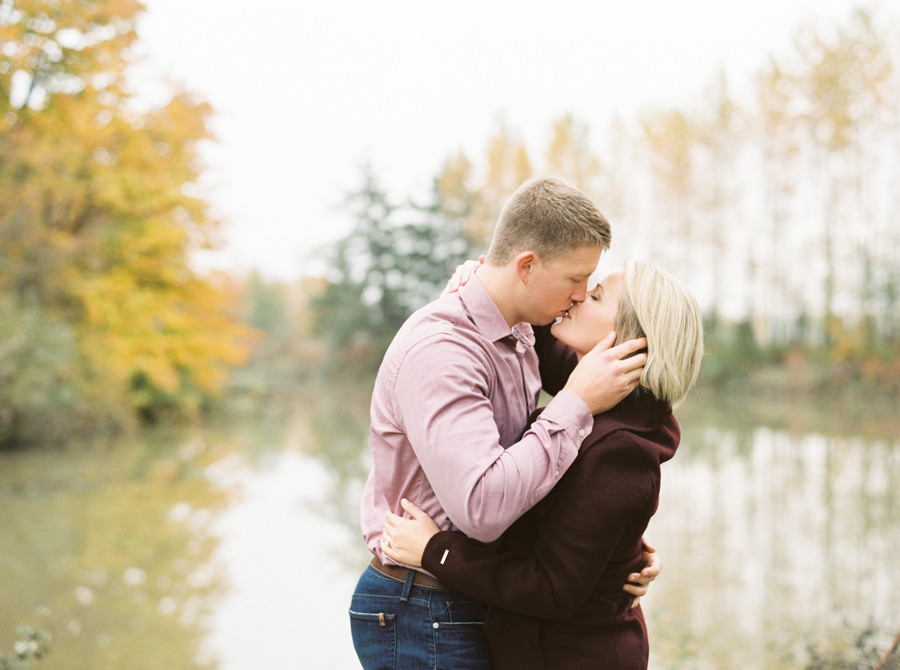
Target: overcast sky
column 305, row 92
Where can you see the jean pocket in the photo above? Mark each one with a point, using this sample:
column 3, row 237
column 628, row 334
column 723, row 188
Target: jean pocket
column 374, row 638
column 466, row 612
column 462, row 645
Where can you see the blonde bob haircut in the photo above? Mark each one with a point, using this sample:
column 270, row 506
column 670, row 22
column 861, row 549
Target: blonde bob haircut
column 657, row 306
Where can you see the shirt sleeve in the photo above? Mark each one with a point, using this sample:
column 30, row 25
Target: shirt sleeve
column 449, row 420
column 575, row 540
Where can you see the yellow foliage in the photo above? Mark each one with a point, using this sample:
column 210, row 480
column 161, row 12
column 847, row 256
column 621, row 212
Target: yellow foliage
column 671, row 137
column 454, row 186
column 98, row 214
column 569, row 154
column 507, row 166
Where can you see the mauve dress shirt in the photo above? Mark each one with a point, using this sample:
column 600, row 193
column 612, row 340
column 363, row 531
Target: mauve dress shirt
column 449, row 414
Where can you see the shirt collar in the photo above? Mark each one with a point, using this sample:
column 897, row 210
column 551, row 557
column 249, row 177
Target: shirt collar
column 487, row 317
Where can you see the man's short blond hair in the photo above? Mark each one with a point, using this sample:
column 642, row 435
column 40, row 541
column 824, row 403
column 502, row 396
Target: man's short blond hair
column 548, row 216
column 657, row 306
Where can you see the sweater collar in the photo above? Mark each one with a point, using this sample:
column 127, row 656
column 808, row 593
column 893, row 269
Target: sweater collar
column 643, row 414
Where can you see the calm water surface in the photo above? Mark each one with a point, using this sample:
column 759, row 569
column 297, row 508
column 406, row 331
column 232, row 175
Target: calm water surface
column 238, row 546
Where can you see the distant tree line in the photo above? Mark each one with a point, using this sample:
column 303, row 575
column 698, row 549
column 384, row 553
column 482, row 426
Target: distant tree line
column 780, row 209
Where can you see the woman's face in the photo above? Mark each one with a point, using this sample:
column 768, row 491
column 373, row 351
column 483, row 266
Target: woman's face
column 585, row 324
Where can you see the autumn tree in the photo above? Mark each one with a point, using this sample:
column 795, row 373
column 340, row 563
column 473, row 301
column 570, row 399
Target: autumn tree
column 826, row 121
column 506, row 165
column 569, row 154
column 671, row 138
column 719, row 138
column 99, row 212
column 775, row 133
column 485, row 185
column 846, row 84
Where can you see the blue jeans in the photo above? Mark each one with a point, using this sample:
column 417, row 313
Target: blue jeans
column 399, row 626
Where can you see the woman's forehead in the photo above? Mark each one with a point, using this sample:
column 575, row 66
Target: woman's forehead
column 612, row 278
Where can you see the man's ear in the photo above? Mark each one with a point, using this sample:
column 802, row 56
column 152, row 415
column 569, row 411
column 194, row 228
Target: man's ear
column 525, row 263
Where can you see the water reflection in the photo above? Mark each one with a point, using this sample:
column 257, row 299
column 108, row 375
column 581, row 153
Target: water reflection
column 238, row 546
column 774, row 546
column 291, row 570
column 108, row 547
column 292, row 542
column 339, row 436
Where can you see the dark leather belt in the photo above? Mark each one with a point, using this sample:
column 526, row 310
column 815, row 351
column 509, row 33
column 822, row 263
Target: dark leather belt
column 398, row 574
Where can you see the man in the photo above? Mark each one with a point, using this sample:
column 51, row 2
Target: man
column 449, row 415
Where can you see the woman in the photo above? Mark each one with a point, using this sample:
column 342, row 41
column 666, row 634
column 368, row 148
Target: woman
column 554, row 584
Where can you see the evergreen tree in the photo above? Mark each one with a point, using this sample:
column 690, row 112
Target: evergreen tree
column 396, row 258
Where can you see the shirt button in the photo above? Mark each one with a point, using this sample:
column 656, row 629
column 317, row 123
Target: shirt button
column 581, row 433
column 557, row 473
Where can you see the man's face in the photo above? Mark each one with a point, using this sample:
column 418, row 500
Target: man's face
column 556, row 284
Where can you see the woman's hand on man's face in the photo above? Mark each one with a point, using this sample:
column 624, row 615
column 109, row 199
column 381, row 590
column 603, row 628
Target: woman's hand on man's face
column 404, row 539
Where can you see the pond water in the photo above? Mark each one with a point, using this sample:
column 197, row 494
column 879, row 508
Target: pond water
column 237, row 546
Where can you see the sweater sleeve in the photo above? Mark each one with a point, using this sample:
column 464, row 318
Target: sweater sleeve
column 600, row 495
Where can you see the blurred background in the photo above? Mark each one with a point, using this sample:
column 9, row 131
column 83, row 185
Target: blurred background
column 214, row 217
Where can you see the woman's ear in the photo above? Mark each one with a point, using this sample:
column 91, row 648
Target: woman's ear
column 525, row 263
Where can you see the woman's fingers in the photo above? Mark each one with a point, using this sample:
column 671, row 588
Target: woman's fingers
column 390, row 521
column 625, row 350
column 422, row 518
column 400, row 528
column 462, row 275
column 414, row 511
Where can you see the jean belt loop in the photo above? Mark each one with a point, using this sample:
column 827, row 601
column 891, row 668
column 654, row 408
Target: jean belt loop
column 407, row 585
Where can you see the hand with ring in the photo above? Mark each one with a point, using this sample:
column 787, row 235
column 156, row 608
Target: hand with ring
column 408, row 537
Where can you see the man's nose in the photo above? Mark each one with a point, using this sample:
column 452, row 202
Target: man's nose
column 580, row 292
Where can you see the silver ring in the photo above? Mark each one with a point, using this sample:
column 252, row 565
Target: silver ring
column 387, row 541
